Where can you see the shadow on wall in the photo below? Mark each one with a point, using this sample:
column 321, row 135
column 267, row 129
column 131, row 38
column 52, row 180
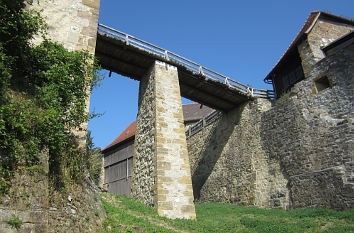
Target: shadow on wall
column 217, row 139
column 280, row 137
column 310, row 136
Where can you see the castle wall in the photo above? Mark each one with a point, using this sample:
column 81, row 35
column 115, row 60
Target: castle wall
column 228, row 162
column 310, row 133
column 296, row 153
column 73, row 23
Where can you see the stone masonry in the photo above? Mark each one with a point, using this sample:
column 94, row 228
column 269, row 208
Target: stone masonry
column 72, row 23
column 322, row 33
column 162, row 175
column 144, row 160
column 229, row 163
column 295, row 152
column 311, row 133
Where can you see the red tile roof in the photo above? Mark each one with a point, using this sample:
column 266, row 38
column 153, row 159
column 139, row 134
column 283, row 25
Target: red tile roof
column 306, row 28
column 127, row 133
column 195, row 111
column 308, row 23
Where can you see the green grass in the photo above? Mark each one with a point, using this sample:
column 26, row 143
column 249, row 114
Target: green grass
column 130, row 215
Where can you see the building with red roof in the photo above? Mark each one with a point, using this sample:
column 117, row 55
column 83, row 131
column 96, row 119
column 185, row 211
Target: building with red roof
column 118, row 155
column 319, row 30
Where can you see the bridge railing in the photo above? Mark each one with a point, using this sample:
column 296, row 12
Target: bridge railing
column 193, row 129
column 190, row 65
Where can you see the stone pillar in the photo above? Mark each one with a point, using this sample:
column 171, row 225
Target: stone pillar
column 161, row 173
column 72, row 23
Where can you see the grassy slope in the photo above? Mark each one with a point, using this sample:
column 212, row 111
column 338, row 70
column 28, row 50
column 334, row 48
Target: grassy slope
column 129, row 215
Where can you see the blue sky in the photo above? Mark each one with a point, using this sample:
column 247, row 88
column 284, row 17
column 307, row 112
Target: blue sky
column 240, row 39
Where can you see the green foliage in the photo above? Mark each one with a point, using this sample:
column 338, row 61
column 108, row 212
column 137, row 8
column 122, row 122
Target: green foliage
column 15, row 222
column 223, row 217
column 94, row 159
column 285, row 96
column 96, row 213
column 42, row 98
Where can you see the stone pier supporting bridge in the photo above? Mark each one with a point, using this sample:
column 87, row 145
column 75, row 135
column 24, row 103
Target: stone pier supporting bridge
column 161, row 170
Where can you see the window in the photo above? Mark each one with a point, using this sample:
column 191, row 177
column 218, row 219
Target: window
column 322, row 84
column 292, row 77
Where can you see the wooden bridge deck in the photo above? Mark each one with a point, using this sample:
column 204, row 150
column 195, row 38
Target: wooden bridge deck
column 132, row 57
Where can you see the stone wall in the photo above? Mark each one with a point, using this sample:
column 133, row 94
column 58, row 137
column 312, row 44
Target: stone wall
column 322, row 33
column 27, row 199
column 310, row 133
column 296, row 153
column 40, row 208
column 228, row 162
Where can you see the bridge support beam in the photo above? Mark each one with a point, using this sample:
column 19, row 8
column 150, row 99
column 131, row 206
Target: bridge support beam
column 161, row 170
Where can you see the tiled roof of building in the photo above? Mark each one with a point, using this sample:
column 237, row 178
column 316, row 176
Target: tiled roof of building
column 126, row 134
column 195, row 111
column 306, row 28
column 191, row 112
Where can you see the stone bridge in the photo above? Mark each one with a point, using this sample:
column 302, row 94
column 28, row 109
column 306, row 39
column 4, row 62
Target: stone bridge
column 161, row 167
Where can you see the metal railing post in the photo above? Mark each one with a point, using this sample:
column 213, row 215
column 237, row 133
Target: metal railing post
column 201, row 70
column 126, row 39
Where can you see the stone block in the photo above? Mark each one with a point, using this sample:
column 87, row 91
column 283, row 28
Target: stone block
column 95, row 4
column 185, row 180
column 187, row 208
column 164, row 179
column 164, row 205
column 163, row 165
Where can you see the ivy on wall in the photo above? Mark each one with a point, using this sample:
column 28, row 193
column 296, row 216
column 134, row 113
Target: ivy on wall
column 42, row 98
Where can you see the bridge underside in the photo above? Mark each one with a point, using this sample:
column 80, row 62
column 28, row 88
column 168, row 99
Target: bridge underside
column 116, row 56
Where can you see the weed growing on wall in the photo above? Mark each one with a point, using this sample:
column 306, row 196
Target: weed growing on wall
column 14, row 222
column 42, row 98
